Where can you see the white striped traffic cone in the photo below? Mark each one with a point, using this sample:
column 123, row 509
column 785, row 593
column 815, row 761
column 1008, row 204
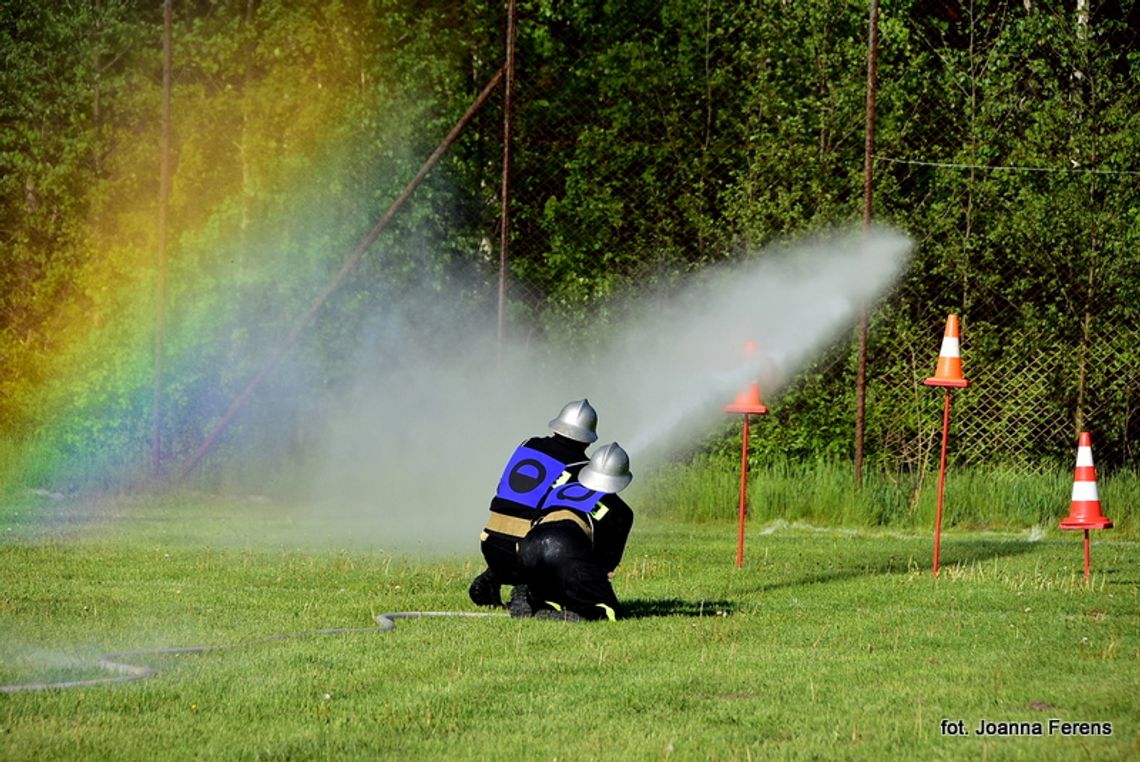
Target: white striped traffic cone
column 949, row 370
column 1084, row 512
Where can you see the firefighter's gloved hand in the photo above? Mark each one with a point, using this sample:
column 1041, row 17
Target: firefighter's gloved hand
column 484, row 590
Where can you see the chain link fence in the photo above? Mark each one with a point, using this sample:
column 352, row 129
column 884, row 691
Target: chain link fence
column 1005, row 145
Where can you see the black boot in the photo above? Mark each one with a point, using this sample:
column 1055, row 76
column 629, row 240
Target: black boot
column 519, row 605
column 566, row 615
column 484, row 590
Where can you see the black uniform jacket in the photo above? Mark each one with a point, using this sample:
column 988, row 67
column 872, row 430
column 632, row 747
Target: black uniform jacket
column 509, row 521
column 612, row 519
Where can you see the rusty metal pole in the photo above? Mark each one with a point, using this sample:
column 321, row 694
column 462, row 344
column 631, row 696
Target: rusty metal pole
column 868, row 195
column 160, row 265
column 291, row 338
column 505, row 200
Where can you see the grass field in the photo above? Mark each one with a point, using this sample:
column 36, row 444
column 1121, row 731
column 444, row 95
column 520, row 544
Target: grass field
column 828, row 644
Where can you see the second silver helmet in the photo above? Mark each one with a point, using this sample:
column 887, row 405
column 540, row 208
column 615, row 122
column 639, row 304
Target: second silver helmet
column 608, row 470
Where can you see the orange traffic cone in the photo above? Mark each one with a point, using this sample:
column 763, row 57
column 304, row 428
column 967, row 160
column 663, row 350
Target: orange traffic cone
column 1084, row 511
column 747, row 402
column 949, row 370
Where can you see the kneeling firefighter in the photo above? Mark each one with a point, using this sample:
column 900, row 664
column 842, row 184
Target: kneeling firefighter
column 571, row 552
column 534, row 467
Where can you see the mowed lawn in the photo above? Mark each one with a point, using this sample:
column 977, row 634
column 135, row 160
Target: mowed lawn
column 828, row 644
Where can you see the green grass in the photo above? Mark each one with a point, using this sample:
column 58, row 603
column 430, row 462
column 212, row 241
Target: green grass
column 828, row 644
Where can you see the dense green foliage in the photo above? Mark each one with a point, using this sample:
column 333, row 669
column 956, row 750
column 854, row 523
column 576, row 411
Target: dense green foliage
column 650, row 139
column 1005, row 145
column 826, row 645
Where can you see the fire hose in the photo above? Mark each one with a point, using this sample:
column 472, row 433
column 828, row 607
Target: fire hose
column 126, row 672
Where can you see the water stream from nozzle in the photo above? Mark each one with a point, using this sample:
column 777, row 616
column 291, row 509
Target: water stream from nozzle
column 415, row 453
column 683, row 358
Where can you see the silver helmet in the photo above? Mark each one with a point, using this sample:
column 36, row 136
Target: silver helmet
column 608, row 470
column 577, row 420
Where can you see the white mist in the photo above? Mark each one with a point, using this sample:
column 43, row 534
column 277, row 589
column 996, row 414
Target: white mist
column 412, row 456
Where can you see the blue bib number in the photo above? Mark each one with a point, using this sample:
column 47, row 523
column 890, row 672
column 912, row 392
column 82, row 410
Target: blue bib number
column 528, row 476
column 573, row 496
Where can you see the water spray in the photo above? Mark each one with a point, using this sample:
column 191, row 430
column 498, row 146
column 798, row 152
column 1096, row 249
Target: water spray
column 792, row 300
column 659, row 369
column 124, row 672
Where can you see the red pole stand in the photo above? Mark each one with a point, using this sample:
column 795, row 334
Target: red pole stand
column 747, row 403
column 941, row 483
column 743, row 496
column 1087, row 577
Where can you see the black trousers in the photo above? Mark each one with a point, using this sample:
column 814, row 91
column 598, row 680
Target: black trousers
column 502, row 559
column 557, row 564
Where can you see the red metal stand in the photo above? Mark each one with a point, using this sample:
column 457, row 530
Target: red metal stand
column 1087, row 556
column 941, row 482
column 747, row 403
column 744, row 496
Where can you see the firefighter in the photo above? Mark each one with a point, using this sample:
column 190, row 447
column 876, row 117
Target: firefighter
column 570, row 554
column 534, row 467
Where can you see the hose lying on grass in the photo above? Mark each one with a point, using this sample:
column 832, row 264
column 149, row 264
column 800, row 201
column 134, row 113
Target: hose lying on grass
column 126, row 673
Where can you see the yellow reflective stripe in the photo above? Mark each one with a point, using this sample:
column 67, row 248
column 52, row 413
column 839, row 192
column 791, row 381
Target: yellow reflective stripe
column 562, row 479
column 600, row 510
column 610, row 613
column 570, row 516
column 510, row 525
column 553, row 605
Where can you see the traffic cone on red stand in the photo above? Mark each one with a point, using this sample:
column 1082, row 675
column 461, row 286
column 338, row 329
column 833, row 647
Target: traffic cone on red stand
column 1084, row 510
column 747, row 402
column 949, row 370
column 948, row 375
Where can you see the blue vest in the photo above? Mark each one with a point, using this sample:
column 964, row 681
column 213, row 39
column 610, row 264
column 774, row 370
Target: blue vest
column 528, row 476
column 573, row 496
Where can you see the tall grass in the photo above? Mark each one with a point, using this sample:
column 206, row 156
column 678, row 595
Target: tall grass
column 822, row 492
